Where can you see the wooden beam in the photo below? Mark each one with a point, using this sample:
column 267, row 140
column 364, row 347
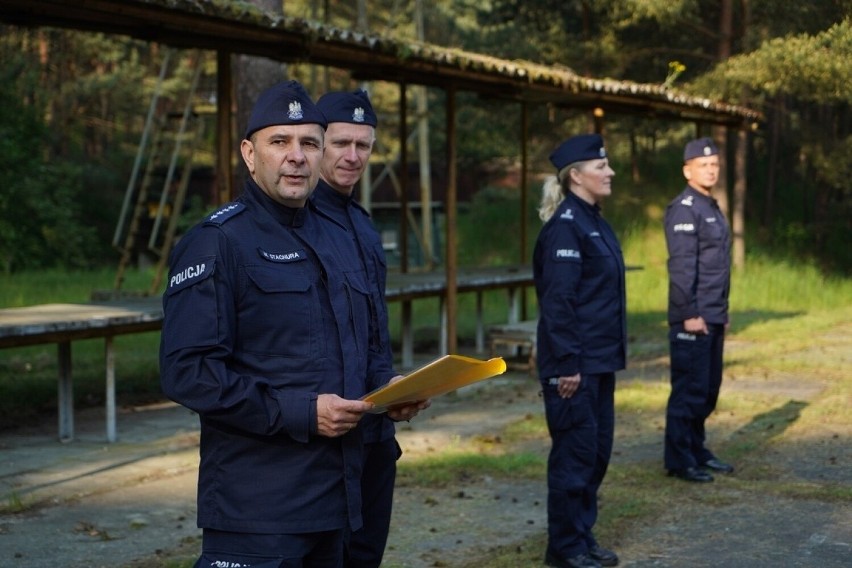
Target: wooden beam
column 452, row 220
column 224, row 129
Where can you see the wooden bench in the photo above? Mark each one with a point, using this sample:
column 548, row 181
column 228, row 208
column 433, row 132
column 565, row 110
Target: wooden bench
column 518, row 339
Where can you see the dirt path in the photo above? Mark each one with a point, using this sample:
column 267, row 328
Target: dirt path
column 91, row 504
column 738, row 525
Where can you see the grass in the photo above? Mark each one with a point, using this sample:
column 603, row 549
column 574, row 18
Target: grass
column 450, row 467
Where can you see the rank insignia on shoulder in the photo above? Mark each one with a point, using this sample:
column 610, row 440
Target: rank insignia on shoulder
column 225, row 213
column 686, row 201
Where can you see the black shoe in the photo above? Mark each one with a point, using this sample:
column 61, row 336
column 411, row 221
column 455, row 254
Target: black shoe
column 719, row 466
column 691, row 474
column 603, row 556
column 579, row 561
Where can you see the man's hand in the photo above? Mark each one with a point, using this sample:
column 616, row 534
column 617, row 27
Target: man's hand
column 336, row 416
column 408, row 410
column 696, row 326
column 568, row 385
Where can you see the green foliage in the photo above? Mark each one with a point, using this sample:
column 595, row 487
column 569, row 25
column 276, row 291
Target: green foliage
column 75, row 103
column 489, row 228
column 815, row 68
column 90, row 91
column 40, row 213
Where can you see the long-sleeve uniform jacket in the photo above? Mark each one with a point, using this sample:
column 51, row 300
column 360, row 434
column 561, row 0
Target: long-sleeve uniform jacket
column 349, row 213
column 699, row 245
column 578, row 269
column 267, row 307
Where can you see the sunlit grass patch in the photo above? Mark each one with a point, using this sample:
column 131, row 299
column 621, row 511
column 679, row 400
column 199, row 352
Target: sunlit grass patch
column 451, row 467
column 532, row 426
column 829, row 492
column 641, row 396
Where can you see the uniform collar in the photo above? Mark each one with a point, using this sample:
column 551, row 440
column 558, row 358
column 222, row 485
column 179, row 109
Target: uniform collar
column 700, row 194
column 577, row 202
column 287, row 216
column 327, row 195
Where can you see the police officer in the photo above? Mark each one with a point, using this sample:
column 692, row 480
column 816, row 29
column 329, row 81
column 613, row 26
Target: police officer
column 266, row 336
column 348, row 144
column 582, row 340
column 699, row 263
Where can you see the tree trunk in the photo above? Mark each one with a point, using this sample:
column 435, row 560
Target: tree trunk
column 720, row 132
column 775, row 118
column 740, row 186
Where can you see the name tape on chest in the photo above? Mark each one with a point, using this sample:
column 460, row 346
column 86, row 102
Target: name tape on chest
column 684, row 228
column 288, row 256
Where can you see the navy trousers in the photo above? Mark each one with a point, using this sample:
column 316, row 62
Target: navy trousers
column 581, row 430
column 366, row 546
column 696, row 378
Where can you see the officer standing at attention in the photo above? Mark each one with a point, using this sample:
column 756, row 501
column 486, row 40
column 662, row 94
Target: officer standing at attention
column 349, row 142
column 699, row 268
column 266, row 336
column 582, row 340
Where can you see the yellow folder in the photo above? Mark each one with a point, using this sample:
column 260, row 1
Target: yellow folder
column 441, row 376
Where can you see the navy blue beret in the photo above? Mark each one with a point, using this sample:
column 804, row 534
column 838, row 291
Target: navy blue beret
column 354, row 107
column 699, row 147
column 284, row 103
column 578, row 149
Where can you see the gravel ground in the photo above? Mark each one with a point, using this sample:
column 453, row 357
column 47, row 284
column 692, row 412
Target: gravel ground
column 132, row 503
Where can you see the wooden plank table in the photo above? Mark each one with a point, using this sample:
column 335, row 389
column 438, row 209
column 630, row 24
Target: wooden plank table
column 64, row 323
column 410, row 286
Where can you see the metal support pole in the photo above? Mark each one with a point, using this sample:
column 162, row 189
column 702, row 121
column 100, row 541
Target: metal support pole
column 65, row 393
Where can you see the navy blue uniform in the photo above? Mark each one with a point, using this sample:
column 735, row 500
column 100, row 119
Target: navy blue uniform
column 699, row 243
column 266, row 308
column 381, row 451
column 579, row 274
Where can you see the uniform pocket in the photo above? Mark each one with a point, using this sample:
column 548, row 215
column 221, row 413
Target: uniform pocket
column 363, row 310
column 279, row 315
column 566, row 413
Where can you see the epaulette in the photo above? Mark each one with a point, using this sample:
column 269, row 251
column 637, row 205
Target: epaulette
column 567, row 215
column 225, row 213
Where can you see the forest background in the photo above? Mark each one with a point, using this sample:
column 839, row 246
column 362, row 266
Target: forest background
column 72, row 110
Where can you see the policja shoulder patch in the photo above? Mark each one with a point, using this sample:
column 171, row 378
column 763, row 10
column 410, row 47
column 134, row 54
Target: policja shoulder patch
column 190, row 273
